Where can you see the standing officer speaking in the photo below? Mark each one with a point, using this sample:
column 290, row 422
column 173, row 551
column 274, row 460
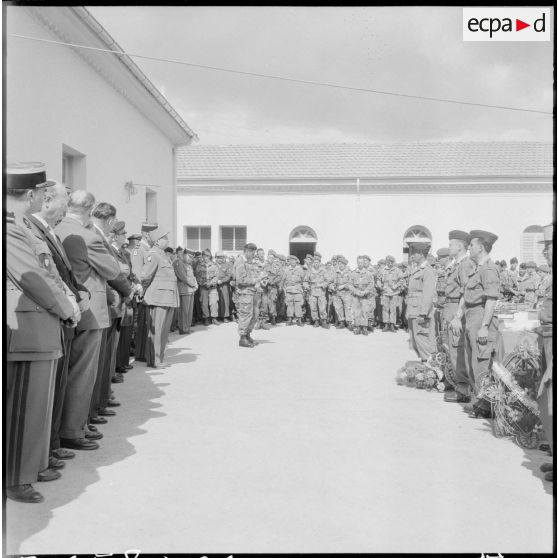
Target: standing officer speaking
column 246, row 276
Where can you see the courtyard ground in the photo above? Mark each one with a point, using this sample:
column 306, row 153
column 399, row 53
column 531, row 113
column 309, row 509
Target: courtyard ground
column 303, row 444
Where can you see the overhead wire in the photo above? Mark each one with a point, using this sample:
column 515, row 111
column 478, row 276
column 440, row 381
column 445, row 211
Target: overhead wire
column 280, row 78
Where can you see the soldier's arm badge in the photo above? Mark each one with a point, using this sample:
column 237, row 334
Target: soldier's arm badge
column 148, row 258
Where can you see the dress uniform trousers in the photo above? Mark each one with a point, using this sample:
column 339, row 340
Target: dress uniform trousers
column 389, row 309
column 82, row 372
column 294, row 304
column 456, row 349
column 61, row 382
column 97, row 388
column 478, row 356
column 544, row 398
column 247, row 313
column 28, row 418
column 185, row 312
column 361, row 310
column 422, row 337
column 317, row 305
column 159, row 319
column 109, row 372
column 123, row 350
column 209, row 302
column 141, row 332
column 224, row 300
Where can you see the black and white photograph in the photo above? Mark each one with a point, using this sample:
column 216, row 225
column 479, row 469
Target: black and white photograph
column 278, row 279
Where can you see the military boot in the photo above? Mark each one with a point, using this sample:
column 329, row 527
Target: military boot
column 386, row 328
column 316, row 323
column 350, row 326
column 371, row 328
column 265, row 325
column 299, row 322
column 340, row 325
column 290, row 322
column 356, row 330
column 273, row 320
column 258, row 325
column 244, row 342
column 392, row 328
column 324, row 324
column 250, row 340
column 364, row 330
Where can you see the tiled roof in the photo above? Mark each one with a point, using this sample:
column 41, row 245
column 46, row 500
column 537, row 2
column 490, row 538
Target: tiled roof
column 365, row 160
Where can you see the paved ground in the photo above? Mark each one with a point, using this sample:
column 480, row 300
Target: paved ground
column 304, row 444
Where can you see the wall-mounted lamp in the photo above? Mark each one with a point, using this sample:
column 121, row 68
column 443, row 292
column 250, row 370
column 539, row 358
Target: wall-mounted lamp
column 131, row 190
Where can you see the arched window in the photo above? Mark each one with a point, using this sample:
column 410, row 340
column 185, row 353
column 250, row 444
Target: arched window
column 303, row 234
column 417, row 233
column 529, row 248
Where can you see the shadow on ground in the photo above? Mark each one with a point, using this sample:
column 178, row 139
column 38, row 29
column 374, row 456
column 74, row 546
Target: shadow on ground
column 24, row 520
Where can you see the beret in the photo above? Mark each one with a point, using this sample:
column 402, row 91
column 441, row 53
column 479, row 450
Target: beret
column 25, row 176
column 443, row 252
column 197, row 253
column 382, row 262
column 485, row 236
column 513, row 260
column 250, row 246
column 219, row 254
column 460, row 235
column 531, row 265
column 272, row 252
column 404, row 264
column 281, row 257
column 342, row 259
column 317, row 255
column 367, row 257
column 169, row 250
column 390, row 259
column 544, row 268
column 179, row 249
column 135, row 236
column 148, row 227
column 207, row 251
column 118, row 227
column 309, row 257
column 293, row 257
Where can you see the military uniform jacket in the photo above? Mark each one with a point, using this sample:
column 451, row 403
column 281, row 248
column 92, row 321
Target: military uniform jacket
column 187, row 283
column 139, row 256
column 206, row 274
column 34, row 304
column 159, row 280
column 224, row 272
column 127, row 308
column 343, row 280
column 483, row 282
column 457, row 274
column 274, row 276
column 293, row 278
column 316, row 281
column 390, row 281
column 363, row 283
column 330, row 277
column 93, row 266
column 545, row 313
column 246, row 275
column 422, row 291
column 527, row 286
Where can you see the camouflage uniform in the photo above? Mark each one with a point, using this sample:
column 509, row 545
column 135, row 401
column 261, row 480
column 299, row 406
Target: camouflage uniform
column 291, row 283
column 389, row 281
column 362, row 289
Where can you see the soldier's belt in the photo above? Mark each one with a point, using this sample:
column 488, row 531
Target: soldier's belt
column 467, row 305
column 453, row 299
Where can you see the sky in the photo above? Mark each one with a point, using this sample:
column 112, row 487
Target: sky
column 410, row 50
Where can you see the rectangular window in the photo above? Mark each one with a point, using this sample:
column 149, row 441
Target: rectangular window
column 73, row 168
column 233, row 238
column 197, row 238
column 150, row 205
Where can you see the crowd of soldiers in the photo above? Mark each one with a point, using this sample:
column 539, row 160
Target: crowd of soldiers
column 83, row 296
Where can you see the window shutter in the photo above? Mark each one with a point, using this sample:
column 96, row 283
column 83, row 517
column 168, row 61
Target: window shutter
column 240, row 238
column 227, row 238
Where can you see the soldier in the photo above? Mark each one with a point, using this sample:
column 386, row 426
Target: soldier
column 363, row 289
column 544, row 395
column 139, row 255
column 274, row 277
column 508, row 286
column 371, row 299
column 187, row 286
column 527, row 284
column 514, row 271
column 545, row 280
column 281, row 305
column 161, row 296
column 441, row 265
column 457, row 273
column 224, row 276
column 389, row 284
column 420, row 301
column 330, row 280
column 315, row 283
column 402, row 298
column 344, row 297
column 246, row 277
column 306, row 266
column 480, row 294
column 261, row 290
column 379, row 314
column 206, row 276
column 291, row 284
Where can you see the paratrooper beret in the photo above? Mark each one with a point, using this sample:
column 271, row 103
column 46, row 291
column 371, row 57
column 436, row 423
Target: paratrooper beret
column 293, row 257
column 250, row 246
column 390, row 259
column 531, row 265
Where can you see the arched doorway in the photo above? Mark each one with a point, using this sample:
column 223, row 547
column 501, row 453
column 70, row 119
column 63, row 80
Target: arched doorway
column 416, row 233
column 302, row 241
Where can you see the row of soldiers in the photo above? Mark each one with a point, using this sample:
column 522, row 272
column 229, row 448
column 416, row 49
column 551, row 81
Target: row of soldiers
column 75, row 296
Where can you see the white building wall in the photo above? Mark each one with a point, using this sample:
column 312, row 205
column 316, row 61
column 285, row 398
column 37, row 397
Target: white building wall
column 375, row 224
column 53, row 97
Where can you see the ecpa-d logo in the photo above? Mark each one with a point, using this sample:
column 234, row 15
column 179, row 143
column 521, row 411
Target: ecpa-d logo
column 506, row 24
